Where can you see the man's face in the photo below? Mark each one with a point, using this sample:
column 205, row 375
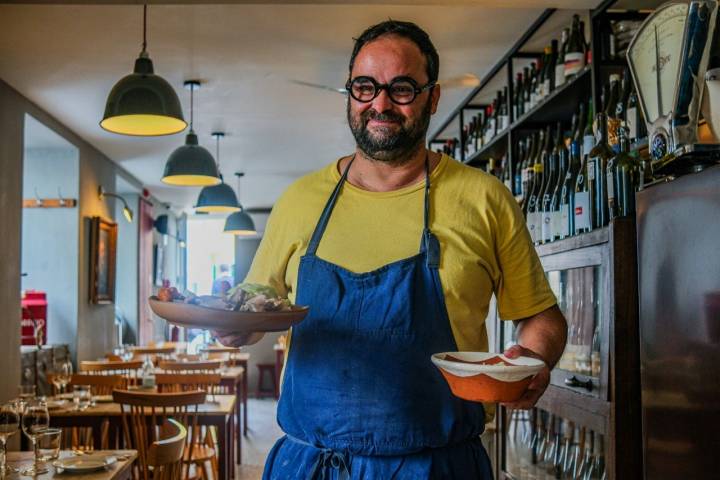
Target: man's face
column 383, row 130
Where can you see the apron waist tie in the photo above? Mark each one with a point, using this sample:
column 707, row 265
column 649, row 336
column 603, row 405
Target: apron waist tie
column 326, row 458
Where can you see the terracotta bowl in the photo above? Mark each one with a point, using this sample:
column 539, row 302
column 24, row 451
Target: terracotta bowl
column 486, row 377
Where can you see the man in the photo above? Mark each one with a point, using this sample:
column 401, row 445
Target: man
column 224, row 282
column 397, row 251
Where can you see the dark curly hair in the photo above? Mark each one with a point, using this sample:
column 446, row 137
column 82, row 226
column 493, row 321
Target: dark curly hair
column 403, row 29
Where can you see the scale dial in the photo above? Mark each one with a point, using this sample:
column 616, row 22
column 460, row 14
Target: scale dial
column 654, row 57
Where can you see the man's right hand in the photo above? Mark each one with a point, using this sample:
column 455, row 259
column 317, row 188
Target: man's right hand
column 235, row 339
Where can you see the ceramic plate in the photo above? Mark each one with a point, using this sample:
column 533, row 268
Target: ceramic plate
column 85, row 463
column 195, row 316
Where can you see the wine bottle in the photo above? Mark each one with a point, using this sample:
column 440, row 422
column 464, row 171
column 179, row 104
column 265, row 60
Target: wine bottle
column 597, row 162
column 623, row 177
column 575, row 54
column 560, row 62
column 582, row 219
column 504, row 117
column 543, row 229
column 517, row 96
column 550, row 71
column 533, row 215
column 553, row 169
column 534, row 80
column 517, row 174
column 621, row 105
column 609, row 108
column 544, row 79
column 527, row 96
column 558, row 225
column 526, row 171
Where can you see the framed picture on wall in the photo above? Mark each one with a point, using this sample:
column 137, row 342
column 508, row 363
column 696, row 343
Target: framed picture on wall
column 103, row 245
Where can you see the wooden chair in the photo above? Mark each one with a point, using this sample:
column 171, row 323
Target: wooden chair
column 165, row 456
column 201, row 366
column 149, row 350
column 129, row 370
column 183, row 382
column 99, row 384
column 144, row 412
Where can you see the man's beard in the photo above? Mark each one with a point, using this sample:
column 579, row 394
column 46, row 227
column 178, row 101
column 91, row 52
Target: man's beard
column 384, row 144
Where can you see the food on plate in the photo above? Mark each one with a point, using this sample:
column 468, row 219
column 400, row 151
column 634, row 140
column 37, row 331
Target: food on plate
column 245, row 297
column 168, row 294
column 254, row 297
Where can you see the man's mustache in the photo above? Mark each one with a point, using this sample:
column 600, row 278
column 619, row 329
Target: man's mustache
column 381, row 117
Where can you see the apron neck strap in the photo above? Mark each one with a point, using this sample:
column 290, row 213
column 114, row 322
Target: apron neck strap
column 325, row 217
column 428, row 242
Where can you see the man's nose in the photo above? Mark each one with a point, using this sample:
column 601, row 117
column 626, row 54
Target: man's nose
column 382, row 102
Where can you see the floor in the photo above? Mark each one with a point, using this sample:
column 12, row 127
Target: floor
column 263, row 431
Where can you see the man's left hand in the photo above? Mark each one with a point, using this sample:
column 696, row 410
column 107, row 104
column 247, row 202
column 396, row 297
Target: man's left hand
column 538, row 384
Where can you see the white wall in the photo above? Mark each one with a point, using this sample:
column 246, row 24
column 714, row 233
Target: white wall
column 50, row 236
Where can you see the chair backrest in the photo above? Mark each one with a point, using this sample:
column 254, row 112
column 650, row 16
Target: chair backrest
column 129, row 370
column 182, row 382
column 143, row 414
column 164, row 350
column 99, row 384
column 201, row 366
column 165, row 456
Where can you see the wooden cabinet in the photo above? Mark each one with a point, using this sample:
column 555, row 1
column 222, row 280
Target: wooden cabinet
column 594, row 395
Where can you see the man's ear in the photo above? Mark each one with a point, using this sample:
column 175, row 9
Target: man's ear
column 435, row 98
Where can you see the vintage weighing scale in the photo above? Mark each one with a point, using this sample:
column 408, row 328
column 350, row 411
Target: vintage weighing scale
column 669, row 58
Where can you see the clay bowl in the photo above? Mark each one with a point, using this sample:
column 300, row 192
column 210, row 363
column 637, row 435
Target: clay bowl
column 195, row 316
column 486, row 377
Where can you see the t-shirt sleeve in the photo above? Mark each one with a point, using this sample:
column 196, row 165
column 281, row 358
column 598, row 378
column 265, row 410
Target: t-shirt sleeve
column 523, row 290
column 269, row 266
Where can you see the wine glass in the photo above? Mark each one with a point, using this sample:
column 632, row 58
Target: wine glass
column 9, row 424
column 82, row 397
column 35, row 420
column 63, row 374
column 26, row 393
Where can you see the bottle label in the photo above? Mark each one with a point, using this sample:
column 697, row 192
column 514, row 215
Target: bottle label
column 559, row 74
column 582, row 211
column 563, row 217
column 148, row 381
column 591, row 169
column 532, row 225
column 631, row 122
column 547, row 226
column 527, row 106
column 588, row 143
column 574, row 62
column 515, row 111
column 610, row 190
column 546, row 87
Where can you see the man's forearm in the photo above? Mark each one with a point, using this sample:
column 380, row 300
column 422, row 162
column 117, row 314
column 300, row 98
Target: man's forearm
column 544, row 334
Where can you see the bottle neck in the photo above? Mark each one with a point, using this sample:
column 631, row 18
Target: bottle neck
column 601, row 125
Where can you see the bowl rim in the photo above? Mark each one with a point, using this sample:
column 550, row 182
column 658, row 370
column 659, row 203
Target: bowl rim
column 532, row 365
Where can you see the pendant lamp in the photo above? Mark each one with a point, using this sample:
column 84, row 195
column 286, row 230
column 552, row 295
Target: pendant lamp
column 240, row 223
column 218, row 198
column 191, row 165
column 143, row 103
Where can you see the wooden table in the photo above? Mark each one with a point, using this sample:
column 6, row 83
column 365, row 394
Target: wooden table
column 218, row 411
column 235, row 379
column 241, row 359
column 120, row 470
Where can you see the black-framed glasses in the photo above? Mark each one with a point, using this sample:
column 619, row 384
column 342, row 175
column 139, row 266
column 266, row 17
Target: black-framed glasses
column 401, row 90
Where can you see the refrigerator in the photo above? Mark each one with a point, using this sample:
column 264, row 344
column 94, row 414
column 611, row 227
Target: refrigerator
column 679, row 305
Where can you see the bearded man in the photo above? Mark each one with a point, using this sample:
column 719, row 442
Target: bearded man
column 397, row 250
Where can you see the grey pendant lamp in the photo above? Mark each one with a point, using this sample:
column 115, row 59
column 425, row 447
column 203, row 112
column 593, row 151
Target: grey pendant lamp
column 143, row 103
column 218, row 198
column 240, row 223
column 191, row 165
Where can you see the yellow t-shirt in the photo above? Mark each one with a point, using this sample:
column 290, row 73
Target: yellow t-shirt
column 485, row 246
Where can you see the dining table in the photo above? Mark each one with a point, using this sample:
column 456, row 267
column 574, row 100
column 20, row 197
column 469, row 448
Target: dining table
column 218, row 411
column 121, row 469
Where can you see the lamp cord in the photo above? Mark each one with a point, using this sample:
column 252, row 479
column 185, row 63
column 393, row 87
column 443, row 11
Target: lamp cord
column 192, row 91
column 144, row 44
column 217, row 151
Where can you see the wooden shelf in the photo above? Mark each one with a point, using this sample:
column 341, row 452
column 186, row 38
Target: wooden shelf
column 495, row 149
column 559, row 105
column 595, row 237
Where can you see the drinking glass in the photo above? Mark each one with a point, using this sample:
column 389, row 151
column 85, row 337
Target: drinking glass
column 26, row 393
column 35, row 420
column 63, row 371
column 82, row 397
column 9, row 424
column 49, row 444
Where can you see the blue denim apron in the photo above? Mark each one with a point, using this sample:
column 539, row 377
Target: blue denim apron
column 360, row 397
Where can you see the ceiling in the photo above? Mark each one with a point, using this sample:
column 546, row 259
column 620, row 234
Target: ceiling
column 66, row 58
